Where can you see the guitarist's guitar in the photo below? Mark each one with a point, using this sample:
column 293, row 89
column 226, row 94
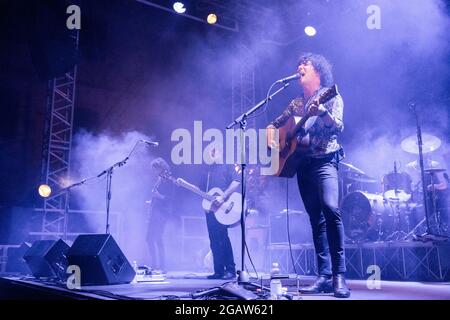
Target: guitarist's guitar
column 293, row 135
column 229, row 213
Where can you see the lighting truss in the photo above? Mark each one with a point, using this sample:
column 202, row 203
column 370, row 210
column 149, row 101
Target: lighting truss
column 226, row 19
column 57, row 148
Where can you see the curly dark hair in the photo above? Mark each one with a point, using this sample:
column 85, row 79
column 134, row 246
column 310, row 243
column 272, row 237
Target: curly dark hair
column 321, row 65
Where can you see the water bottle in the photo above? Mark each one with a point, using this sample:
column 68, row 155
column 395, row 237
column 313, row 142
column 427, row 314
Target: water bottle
column 135, row 267
column 275, row 283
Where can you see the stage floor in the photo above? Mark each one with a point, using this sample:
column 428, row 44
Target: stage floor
column 180, row 285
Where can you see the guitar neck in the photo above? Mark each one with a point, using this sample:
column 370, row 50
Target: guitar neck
column 182, row 183
column 324, row 97
column 300, row 124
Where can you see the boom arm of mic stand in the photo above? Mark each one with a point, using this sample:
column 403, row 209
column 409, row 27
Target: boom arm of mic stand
column 256, row 107
column 117, row 164
column 66, row 191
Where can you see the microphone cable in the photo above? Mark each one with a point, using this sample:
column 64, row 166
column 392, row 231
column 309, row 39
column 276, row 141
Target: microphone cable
column 288, row 226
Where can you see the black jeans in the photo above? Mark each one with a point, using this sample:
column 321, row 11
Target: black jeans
column 319, row 189
column 220, row 245
column 155, row 241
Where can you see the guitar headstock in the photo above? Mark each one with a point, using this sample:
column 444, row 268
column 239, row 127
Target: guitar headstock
column 328, row 94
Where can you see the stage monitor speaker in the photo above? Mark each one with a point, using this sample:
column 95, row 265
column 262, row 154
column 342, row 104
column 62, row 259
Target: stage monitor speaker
column 100, row 260
column 47, row 259
column 15, row 262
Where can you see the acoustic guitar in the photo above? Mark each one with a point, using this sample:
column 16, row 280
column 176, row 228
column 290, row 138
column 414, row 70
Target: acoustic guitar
column 293, row 140
column 228, row 213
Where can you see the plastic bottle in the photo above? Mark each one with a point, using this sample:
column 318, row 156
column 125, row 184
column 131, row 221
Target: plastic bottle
column 135, row 267
column 275, row 283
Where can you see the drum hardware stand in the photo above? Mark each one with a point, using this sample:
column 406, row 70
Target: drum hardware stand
column 413, row 231
column 397, row 234
column 380, row 231
column 436, row 213
column 429, row 234
column 412, row 106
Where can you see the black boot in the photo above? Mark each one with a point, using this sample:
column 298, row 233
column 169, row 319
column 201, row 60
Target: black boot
column 323, row 284
column 340, row 287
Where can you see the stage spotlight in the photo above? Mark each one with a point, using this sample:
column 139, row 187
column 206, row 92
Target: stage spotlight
column 179, row 7
column 44, row 191
column 310, row 31
column 212, row 18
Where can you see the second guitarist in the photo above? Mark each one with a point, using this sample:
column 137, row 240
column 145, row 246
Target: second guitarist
column 220, row 176
column 317, row 171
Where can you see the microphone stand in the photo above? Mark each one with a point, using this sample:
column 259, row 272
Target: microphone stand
column 243, row 277
column 109, row 173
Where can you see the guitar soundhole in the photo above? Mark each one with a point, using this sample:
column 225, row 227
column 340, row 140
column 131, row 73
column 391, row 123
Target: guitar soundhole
column 230, row 207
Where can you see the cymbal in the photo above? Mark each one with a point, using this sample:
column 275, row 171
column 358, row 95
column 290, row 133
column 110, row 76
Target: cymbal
column 353, row 173
column 429, row 143
column 414, row 164
column 351, row 167
column 364, row 178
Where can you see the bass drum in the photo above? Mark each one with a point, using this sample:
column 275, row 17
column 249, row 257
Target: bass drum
column 362, row 215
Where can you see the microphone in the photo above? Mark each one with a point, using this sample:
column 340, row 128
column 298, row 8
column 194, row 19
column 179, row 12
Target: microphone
column 290, row 78
column 150, row 143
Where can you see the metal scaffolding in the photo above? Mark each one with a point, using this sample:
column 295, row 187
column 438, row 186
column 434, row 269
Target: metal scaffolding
column 401, row 260
column 57, row 149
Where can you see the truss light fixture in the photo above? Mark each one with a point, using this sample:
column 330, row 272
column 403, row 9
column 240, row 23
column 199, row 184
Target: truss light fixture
column 310, row 31
column 44, row 190
column 211, row 18
column 179, row 7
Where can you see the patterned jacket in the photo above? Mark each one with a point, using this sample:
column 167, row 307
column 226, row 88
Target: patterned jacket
column 323, row 139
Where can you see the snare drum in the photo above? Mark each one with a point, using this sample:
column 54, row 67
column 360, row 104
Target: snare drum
column 397, row 186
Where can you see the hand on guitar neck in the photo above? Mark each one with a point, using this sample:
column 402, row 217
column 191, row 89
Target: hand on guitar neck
column 293, row 134
column 314, row 109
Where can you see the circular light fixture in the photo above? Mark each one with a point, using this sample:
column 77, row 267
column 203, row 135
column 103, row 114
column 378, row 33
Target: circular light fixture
column 310, row 31
column 179, row 7
column 44, row 190
column 211, row 18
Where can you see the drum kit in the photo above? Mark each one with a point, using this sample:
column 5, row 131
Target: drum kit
column 389, row 215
